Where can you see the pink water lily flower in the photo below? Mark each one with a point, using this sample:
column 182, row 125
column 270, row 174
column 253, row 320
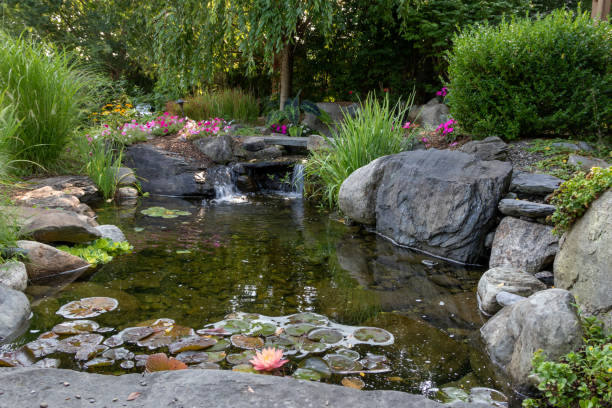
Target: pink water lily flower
column 268, row 359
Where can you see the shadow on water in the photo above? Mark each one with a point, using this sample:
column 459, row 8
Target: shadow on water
column 278, row 256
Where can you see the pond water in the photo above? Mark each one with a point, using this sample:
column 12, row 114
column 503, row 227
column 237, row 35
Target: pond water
column 277, row 256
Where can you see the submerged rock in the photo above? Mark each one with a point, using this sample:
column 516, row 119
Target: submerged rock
column 584, row 263
column 13, row 275
column 14, row 313
column 545, row 321
column 44, row 260
column 524, row 245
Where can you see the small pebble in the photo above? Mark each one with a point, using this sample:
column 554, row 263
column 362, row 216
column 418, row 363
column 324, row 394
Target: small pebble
column 91, row 400
column 115, row 399
column 66, row 384
column 44, row 405
column 77, row 396
column 143, row 383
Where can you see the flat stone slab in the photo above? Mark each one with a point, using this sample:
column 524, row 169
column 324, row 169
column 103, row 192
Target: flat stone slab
column 286, row 141
column 33, row 387
column 534, row 183
column 523, row 208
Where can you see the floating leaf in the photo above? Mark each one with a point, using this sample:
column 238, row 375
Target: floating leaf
column 164, row 337
column 352, row 354
column 118, row 354
column 307, row 317
column 98, row 362
column 216, row 356
column 375, row 364
column 306, row 374
column 219, row 331
column 133, row 334
column 246, row 342
column 191, row 343
column 88, row 307
column 309, row 346
column 89, row 351
column 299, row 329
column 161, row 362
column 240, row 358
column 262, row 329
column 221, row 345
column 325, row 335
column 373, row 335
column 42, row 347
column 207, row 365
column 76, row 327
column 353, row 382
column 285, row 343
column 113, row 341
column 340, row 364
column 16, row 358
column 163, row 212
column 245, row 368
column 236, row 326
column 127, row 364
column 192, row 357
column 73, row 344
column 316, row 364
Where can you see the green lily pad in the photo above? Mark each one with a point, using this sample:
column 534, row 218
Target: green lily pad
column 235, row 326
column 308, row 317
column 88, row 307
column 309, row 346
column 119, row 353
column 306, row 374
column 98, row 362
column 219, row 331
column 191, row 343
column 352, row 354
column 325, row 335
column 245, row 368
column 240, row 358
column 285, row 343
column 316, row 364
column 114, row 341
column 206, row 365
column 42, row 347
column 216, row 356
column 221, row 345
column 89, row 351
column 299, row 329
column 246, row 342
column 340, row 364
column 373, row 335
column 192, row 357
column 375, row 364
column 133, row 334
column 162, row 338
column 73, row 344
column 262, row 329
column 163, row 212
column 76, row 327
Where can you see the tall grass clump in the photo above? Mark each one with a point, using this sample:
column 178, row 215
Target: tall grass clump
column 9, row 125
column 48, row 91
column 526, row 77
column 376, row 130
column 229, row 104
column 102, row 162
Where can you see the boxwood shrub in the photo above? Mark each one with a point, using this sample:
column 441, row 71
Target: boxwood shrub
column 530, row 76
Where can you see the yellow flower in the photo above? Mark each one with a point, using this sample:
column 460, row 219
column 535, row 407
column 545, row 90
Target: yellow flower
column 106, row 113
column 127, row 105
column 610, row 369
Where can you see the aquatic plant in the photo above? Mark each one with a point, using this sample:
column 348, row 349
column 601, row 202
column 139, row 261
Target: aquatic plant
column 163, row 212
column 88, row 307
column 268, row 359
column 100, row 251
column 161, row 362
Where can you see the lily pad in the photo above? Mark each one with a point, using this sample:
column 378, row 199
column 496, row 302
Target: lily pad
column 162, row 338
column 299, row 329
column 309, row 346
column 325, row 335
column 352, row 354
column 353, row 382
column 340, row 364
column 73, row 344
column 133, row 334
column 98, row 362
column 216, row 356
column 207, row 365
column 163, row 212
column 191, row 343
column 88, row 307
column 375, row 364
column 373, row 335
column 192, row 357
column 285, row 343
column 316, row 364
column 306, row 374
column 221, row 345
column 219, row 331
column 16, row 358
column 308, row 317
column 42, row 347
column 240, row 358
column 76, row 327
column 161, row 362
column 119, row 353
column 245, row 368
column 127, row 364
column 262, row 329
column 246, row 342
column 48, row 363
column 236, row 326
column 113, row 341
column 89, row 351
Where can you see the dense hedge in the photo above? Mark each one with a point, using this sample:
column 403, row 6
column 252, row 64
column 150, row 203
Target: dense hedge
column 526, row 77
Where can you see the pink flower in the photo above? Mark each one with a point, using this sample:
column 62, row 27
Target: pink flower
column 406, row 125
column 425, row 140
column 166, row 114
column 453, row 144
column 268, row 359
column 89, row 138
column 385, row 89
column 350, row 92
column 106, row 126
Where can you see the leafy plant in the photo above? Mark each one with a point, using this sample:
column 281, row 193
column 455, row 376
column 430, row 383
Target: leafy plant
column 233, row 104
column 48, row 91
column 581, row 378
column 518, row 78
column 292, row 111
column 100, row 251
column 376, row 130
column 102, row 162
column 574, row 196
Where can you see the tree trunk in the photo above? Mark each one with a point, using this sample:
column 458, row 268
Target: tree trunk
column 601, row 9
column 286, row 78
column 275, row 80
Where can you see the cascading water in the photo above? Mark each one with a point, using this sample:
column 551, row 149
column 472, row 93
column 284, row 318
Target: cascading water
column 225, row 188
column 297, row 180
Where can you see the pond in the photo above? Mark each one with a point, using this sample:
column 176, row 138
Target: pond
column 276, row 256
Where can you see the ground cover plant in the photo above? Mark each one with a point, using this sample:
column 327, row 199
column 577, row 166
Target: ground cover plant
column 48, row 91
column 100, row 251
column 519, row 78
column 376, row 130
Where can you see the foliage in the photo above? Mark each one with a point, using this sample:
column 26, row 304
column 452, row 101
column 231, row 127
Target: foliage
column 376, row 130
column 234, row 104
column 292, row 111
column 582, row 378
column 574, row 196
column 9, row 231
column 48, row 91
column 114, row 114
column 101, row 161
column 100, row 251
column 519, row 78
column 9, row 125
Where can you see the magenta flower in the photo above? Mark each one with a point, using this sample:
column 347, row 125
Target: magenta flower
column 407, row 125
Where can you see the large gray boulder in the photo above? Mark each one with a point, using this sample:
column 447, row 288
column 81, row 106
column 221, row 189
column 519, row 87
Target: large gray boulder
column 544, row 321
column 59, row 227
column 44, row 260
column 584, row 262
column 111, row 232
column 430, row 115
column 587, row 163
column 491, row 148
column 14, row 314
column 192, row 388
column 439, row 201
column 534, row 183
column 218, row 148
column 504, row 279
column 523, row 208
column 165, row 173
column 524, row 245
column 14, row 276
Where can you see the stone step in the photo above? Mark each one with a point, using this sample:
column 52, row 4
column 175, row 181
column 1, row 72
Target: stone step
column 286, row 141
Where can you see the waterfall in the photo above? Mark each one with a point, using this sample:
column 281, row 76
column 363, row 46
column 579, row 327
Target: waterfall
column 297, row 180
column 225, row 189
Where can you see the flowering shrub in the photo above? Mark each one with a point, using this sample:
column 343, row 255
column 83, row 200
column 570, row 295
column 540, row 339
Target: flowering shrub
column 279, row 129
column 113, row 114
column 193, row 129
column 447, row 129
column 442, row 93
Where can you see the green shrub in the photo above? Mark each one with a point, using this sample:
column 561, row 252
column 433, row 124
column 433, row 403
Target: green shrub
column 526, row 77
column 582, row 378
column 574, row 196
column 48, row 92
column 229, row 104
column 376, row 130
column 9, row 125
column 101, row 162
column 100, row 251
